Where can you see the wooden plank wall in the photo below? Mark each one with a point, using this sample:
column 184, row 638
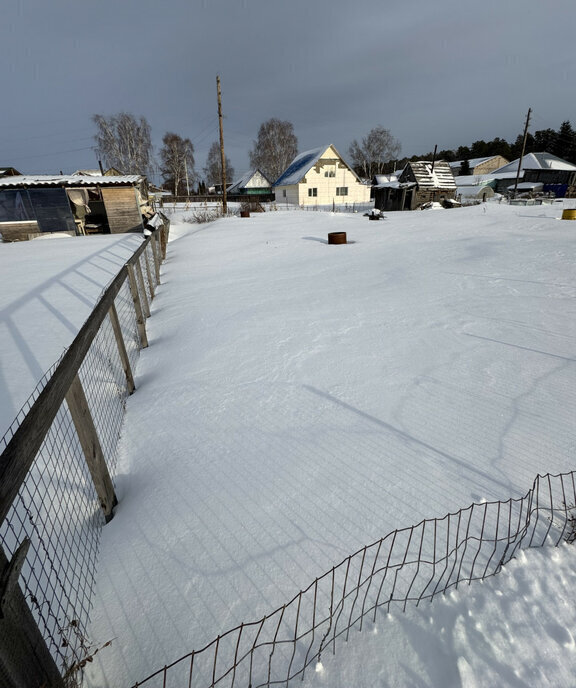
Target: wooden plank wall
column 122, row 209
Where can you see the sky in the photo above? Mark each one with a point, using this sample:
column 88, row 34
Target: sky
column 443, row 73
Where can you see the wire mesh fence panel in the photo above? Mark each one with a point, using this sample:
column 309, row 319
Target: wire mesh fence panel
column 58, row 510
column 146, row 273
column 104, row 383
column 57, row 507
column 9, row 433
column 406, row 566
column 128, row 324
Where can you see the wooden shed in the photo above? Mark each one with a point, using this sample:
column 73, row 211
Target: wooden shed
column 74, row 204
column 420, row 182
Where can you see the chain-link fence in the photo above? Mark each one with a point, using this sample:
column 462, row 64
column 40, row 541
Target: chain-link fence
column 57, row 475
column 407, row 566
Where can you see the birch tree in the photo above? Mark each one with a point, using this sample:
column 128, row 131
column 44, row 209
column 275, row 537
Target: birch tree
column 177, row 163
column 123, row 142
column 376, row 148
column 275, row 148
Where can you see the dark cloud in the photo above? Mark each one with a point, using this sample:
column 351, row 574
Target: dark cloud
column 445, row 73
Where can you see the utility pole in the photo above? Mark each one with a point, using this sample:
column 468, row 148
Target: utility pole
column 523, row 149
column 222, row 156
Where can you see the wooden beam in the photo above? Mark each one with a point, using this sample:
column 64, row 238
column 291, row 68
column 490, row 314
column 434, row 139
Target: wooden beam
column 113, row 314
column 149, row 274
column 142, row 285
column 24, row 657
column 156, row 253
column 140, row 320
column 90, row 443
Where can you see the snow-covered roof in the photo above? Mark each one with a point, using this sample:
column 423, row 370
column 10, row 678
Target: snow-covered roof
column 26, row 180
column 90, row 173
column 536, row 161
column 473, row 162
column 437, row 175
column 475, row 191
column 380, row 179
column 474, row 180
column 395, row 184
column 528, row 186
column 299, row 166
column 245, row 179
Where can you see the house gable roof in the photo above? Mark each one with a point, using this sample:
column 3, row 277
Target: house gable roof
column 536, row 161
column 303, row 163
column 245, row 179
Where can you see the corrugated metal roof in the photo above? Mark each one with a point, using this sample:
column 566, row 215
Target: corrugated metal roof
column 40, row 180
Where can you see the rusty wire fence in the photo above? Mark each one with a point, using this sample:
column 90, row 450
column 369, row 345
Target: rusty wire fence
column 408, row 566
column 57, row 481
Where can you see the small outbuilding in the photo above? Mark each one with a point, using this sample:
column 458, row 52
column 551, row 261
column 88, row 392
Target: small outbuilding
column 555, row 174
column 253, row 183
column 479, row 165
column 31, row 205
column 420, row 182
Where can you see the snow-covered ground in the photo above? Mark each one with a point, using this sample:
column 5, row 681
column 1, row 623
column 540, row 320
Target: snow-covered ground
column 299, row 400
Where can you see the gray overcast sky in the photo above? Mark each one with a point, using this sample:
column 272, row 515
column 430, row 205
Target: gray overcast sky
column 444, row 72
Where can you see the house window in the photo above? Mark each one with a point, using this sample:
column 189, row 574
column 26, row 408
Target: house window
column 330, row 173
column 341, row 190
column 313, row 192
column 284, row 193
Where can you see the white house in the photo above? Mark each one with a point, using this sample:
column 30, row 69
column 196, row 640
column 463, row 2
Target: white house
column 320, row 177
column 252, row 183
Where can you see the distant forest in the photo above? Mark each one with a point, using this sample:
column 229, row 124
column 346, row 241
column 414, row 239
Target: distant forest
column 561, row 143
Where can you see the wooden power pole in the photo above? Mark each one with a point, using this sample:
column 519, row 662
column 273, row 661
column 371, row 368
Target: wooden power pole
column 222, row 156
column 523, row 149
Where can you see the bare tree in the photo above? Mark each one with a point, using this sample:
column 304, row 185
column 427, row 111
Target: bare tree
column 124, row 142
column 213, row 169
column 275, row 148
column 177, row 163
column 377, row 148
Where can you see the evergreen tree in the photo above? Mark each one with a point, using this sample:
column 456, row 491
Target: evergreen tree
column 565, row 145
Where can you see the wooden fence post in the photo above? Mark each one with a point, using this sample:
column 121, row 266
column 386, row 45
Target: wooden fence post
column 86, row 430
column 149, row 274
column 113, row 314
column 24, row 657
column 164, row 241
column 156, row 254
column 140, row 321
column 142, row 284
